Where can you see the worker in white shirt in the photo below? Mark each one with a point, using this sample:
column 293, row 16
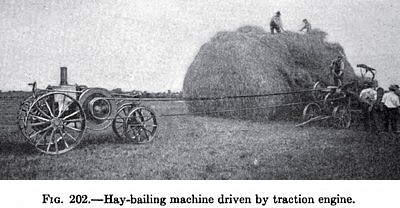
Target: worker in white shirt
column 391, row 102
column 368, row 98
column 276, row 23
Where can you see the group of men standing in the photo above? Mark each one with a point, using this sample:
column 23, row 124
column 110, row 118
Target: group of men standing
column 276, row 24
column 380, row 107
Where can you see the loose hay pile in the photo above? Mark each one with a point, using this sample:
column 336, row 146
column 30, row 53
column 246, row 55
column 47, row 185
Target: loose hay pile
column 251, row 61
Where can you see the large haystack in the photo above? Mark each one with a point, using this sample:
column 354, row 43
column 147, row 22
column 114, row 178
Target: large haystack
column 252, row 61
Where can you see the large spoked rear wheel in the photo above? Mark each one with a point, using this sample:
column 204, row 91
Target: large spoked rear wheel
column 119, row 120
column 141, row 125
column 311, row 110
column 341, row 117
column 55, row 123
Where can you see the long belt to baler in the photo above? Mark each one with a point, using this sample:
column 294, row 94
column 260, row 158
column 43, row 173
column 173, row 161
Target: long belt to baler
column 137, row 98
column 226, row 97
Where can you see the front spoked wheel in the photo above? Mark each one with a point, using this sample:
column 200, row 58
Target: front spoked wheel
column 55, row 123
column 119, row 120
column 141, row 125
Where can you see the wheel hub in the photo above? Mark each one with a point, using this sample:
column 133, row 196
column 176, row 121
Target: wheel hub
column 56, row 122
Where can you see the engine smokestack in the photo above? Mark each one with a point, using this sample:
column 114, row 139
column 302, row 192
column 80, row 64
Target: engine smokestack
column 63, row 76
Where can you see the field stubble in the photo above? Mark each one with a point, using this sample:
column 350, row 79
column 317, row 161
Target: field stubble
column 194, row 147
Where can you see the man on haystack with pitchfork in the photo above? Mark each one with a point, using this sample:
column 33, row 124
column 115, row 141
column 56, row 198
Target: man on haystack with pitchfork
column 276, row 23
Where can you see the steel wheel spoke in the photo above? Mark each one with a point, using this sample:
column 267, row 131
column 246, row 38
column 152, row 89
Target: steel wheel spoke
column 139, row 115
column 62, row 137
column 73, row 120
column 72, row 114
column 42, row 112
column 146, row 130
column 56, row 145
column 39, row 132
column 42, row 138
column 64, row 109
column 151, row 118
column 50, row 139
column 135, row 125
column 72, row 128
column 68, row 134
column 48, row 107
column 66, row 144
column 144, row 126
column 40, row 118
column 125, row 113
column 39, row 123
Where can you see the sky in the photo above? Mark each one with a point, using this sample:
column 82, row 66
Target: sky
column 149, row 44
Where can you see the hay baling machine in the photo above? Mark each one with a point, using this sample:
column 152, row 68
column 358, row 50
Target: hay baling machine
column 337, row 103
column 55, row 119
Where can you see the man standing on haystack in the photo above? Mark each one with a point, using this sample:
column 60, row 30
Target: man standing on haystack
column 337, row 68
column 276, row 23
column 392, row 103
column 307, row 26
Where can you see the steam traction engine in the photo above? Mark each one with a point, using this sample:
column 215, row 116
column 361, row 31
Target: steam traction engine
column 55, row 119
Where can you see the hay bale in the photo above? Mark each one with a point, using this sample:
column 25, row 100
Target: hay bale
column 251, row 61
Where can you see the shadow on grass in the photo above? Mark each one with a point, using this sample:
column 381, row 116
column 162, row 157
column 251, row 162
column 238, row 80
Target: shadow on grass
column 14, row 144
column 102, row 138
column 17, row 148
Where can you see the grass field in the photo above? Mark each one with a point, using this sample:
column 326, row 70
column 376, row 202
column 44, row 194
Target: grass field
column 191, row 147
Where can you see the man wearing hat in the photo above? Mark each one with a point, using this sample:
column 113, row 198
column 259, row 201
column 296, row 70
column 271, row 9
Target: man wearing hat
column 391, row 102
column 276, row 23
column 368, row 98
column 337, row 67
column 397, row 92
